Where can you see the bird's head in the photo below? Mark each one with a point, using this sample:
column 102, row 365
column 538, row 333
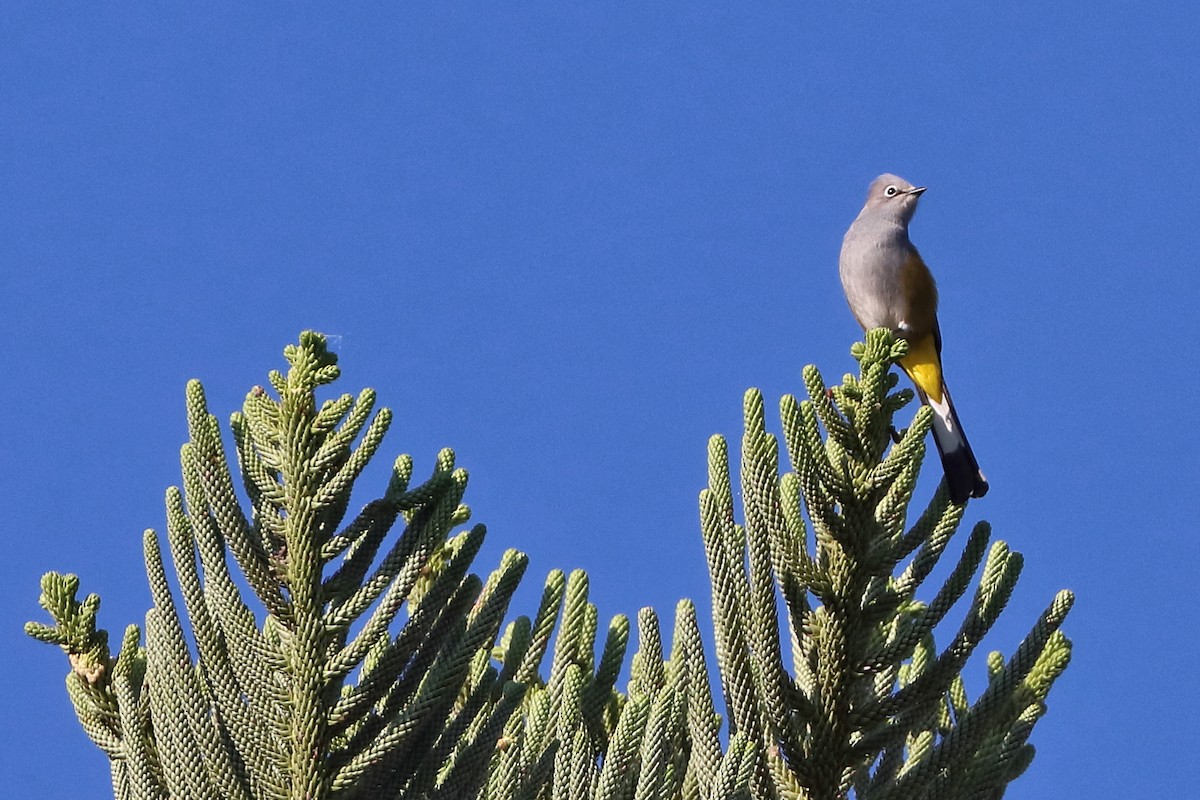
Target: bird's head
column 894, row 196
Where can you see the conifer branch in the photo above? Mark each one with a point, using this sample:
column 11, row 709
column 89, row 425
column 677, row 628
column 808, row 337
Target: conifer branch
column 869, row 704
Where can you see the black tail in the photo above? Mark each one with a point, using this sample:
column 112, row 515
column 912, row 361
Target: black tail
column 963, row 476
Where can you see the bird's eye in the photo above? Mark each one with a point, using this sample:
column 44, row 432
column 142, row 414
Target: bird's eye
column 891, row 191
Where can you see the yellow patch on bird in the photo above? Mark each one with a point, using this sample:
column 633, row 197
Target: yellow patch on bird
column 924, row 366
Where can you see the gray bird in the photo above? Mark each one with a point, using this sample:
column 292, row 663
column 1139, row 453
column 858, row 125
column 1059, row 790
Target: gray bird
column 888, row 286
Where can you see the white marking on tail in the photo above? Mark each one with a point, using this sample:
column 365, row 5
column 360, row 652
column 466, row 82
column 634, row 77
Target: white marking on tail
column 943, row 418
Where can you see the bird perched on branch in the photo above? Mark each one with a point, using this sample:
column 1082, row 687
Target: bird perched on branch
column 888, row 286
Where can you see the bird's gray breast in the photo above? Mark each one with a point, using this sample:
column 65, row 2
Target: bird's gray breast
column 871, row 266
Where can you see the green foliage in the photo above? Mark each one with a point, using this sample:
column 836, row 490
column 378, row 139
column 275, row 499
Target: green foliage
column 869, row 705
column 306, row 656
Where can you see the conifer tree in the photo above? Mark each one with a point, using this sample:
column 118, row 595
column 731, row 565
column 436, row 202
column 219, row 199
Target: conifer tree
column 308, row 657
column 870, row 705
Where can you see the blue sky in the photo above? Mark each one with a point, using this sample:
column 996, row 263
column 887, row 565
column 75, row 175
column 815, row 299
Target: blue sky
column 564, row 241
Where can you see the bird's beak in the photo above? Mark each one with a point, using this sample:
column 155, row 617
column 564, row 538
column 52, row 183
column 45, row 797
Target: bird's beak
column 916, row 190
